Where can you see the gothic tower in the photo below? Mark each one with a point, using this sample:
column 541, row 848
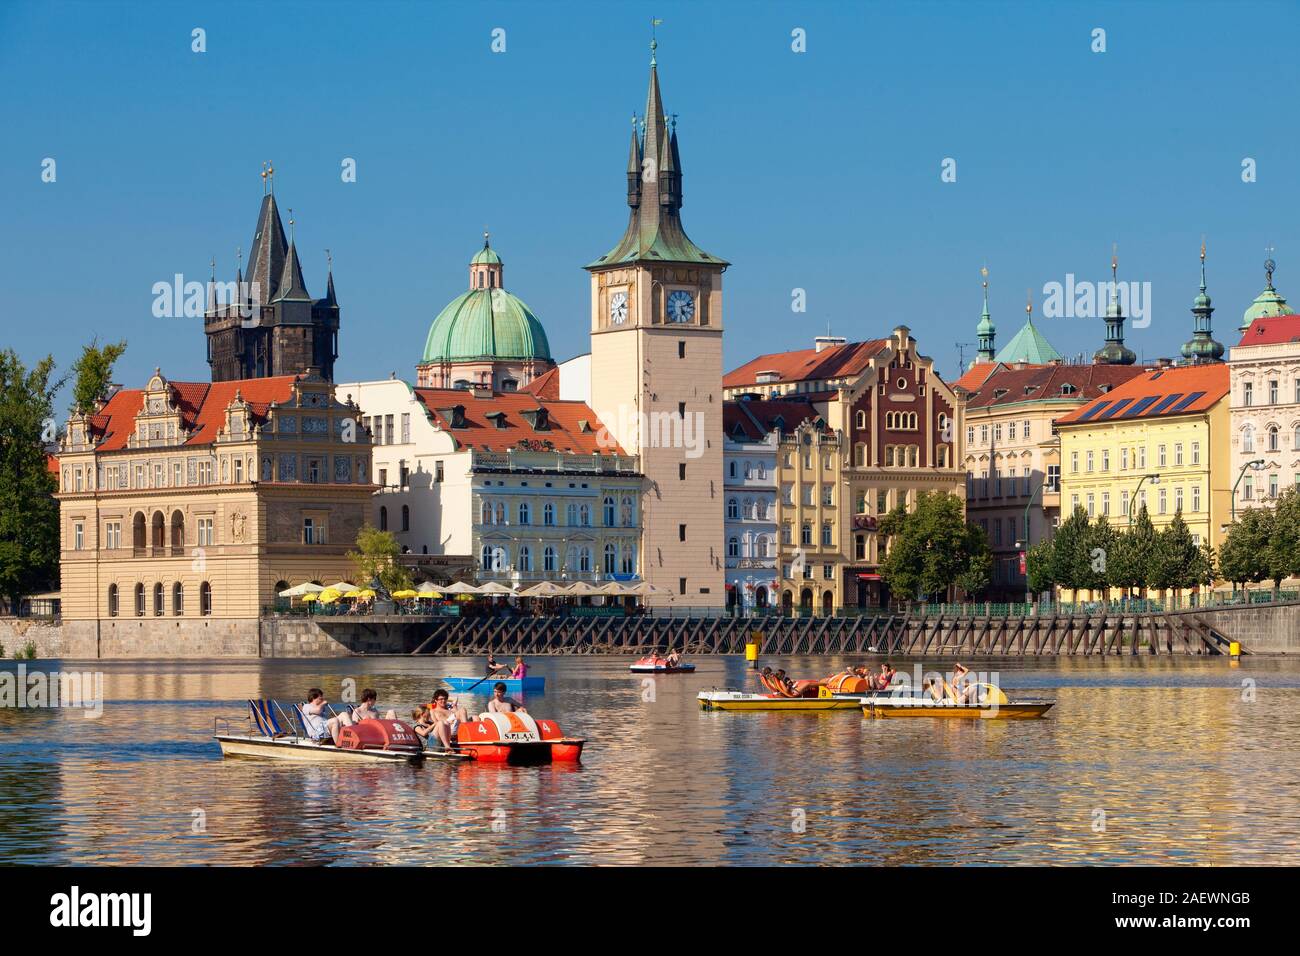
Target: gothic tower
column 267, row 323
column 656, row 365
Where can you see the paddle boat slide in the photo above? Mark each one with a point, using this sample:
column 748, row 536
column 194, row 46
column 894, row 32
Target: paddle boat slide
column 484, row 685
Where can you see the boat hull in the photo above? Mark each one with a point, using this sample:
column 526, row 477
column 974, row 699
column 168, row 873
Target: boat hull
column 524, row 753
column 734, row 700
column 305, row 751
column 893, row 708
column 653, row 669
column 516, row 685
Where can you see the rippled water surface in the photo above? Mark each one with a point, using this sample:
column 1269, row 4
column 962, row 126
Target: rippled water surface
column 1141, row 761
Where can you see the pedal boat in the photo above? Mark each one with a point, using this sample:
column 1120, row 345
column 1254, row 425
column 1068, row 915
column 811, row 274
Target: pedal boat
column 995, row 705
column 657, row 665
column 739, row 700
column 272, row 733
column 516, row 739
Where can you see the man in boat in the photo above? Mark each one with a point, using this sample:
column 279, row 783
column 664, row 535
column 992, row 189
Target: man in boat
column 964, row 687
column 445, row 716
column 501, row 704
column 493, row 668
column 319, row 728
column 366, row 710
column 673, row 659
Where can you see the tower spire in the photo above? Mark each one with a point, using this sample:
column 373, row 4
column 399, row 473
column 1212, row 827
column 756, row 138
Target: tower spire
column 985, row 331
column 1202, row 347
column 1114, row 352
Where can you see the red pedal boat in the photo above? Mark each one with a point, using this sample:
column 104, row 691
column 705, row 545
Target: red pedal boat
column 515, row 739
column 659, row 665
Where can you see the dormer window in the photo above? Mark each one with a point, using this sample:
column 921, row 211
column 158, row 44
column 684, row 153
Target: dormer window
column 1067, row 389
column 498, row 419
column 539, row 418
column 454, row 415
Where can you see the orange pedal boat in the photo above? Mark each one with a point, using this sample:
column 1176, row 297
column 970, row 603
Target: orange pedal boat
column 516, row 739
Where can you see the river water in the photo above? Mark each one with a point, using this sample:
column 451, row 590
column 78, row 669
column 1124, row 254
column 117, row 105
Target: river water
column 1166, row 761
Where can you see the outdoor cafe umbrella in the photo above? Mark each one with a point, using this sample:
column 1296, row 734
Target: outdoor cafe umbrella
column 405, row 593
column 460, row 587
column 427, row 591
column 342, row 587
column 328, row 596
column 495, row 588
column 543, row 589
column 613, row 589
column 646, row 589
column 581, row 589
column 309, row 596
column 302, row 590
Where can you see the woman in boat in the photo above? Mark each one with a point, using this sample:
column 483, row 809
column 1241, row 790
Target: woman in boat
column 885, row 677
column 520, row 671
column 421, row 723
column 673, row 659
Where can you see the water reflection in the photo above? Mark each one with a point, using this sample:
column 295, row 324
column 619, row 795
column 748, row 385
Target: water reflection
column 1183, row 769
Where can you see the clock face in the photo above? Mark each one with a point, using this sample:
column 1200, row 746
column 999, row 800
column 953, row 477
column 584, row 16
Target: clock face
column 681, row 306
column 618, row 308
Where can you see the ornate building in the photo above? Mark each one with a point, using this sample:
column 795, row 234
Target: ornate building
column 185, row 507
column 750, row 483
column 486, row 336
column 656, row 365
column 1265, row 409
column 268, row 324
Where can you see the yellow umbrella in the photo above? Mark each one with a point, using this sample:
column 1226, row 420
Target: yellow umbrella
column 309, row 597
column 429, row 594
column 406, row 593
column 329, row 596
column 366, row 593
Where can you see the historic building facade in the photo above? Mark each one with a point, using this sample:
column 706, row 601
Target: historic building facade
column 525, row 489
column 1265, row 409
column 750, row 485
column 485, row 337
column 186, row 506
column 1160, row 439
column 268, row 324
column 656, row 366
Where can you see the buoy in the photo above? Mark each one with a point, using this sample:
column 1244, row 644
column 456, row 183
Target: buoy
column 1234, row 650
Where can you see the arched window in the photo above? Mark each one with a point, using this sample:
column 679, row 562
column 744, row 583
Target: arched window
column 487, row 512
column 157, row 599
column 1248, row 439
column 733, row 547
column 860, row 419
column 112, row 600
column 806, row 534
column 383, row 517
column 731, row 469
column 609, row 511
column 1295, row 439
column 178, row 599
column 178, row 532
column 584, row 559
column 548, row 559
column 629, row 511
column 525, row 515
column 501, row 513
column 525, row 558
column 406, row 517
column 137, row 532
column 629, row 557
column 158, row 538
column 733, row 509
column 139, row 600
column 1273, row 435
column 827, row 536
column 611, row 559
column 205, row 599
column 548, row 514
column 571, row 515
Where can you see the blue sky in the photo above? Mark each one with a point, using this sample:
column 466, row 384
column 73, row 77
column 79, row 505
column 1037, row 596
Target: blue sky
column 818, row 170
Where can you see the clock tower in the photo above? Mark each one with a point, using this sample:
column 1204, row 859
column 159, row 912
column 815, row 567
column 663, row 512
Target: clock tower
column 656, row 366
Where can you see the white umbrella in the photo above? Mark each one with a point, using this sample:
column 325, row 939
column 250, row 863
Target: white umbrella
column 493, row 587
column 646, row 589
column 460, row 587
column 542, row 589
column 300, row 589
column 613, row 589
column 581, row 589
column 343, row 587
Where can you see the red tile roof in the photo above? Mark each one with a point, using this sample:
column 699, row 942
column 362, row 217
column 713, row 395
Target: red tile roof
column 754, row 418
column 546, row 385
column 974, row 376
column 565, row 434
column 1272, row 330
column 202, row 406
column 52, row 464
column 1152, row 395
column 1008, row 385
column 838, row 361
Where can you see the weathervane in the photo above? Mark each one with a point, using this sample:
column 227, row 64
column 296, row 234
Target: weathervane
column 654, row 44
column 1269, row 266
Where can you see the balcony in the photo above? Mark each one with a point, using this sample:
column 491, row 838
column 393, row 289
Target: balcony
column 864, row 522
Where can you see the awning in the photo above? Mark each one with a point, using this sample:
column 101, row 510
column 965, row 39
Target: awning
column 868, row 577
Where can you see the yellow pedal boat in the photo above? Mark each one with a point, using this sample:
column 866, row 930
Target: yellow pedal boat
column 739, row 700
column 995, row 709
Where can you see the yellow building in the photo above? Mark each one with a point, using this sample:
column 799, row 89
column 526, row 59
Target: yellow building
column 1162, row 440
column 186, row 506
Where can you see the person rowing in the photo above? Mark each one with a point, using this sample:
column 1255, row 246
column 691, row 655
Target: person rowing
column 493, row 668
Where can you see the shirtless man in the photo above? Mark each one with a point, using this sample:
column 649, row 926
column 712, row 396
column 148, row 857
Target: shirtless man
column 965, row 689
column 366, row 709
column 445, row 716
column 501, row 704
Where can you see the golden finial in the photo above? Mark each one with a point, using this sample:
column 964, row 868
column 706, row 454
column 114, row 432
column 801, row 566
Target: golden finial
column 1202, row 247
column 984, row 272
column 1029, row 301
column 1114, row 258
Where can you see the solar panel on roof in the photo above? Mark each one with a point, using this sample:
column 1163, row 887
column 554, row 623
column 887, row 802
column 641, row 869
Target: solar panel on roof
column 1110, row 412
column 1156, row 375
column 1092, row 411
column 1141, row 406
column 1166, row 402
column 1188, row 400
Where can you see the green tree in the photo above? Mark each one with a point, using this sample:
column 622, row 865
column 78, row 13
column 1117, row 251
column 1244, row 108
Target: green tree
column 29, row 515
column 1038, row 567
column 1243, row 555
column 376, row 556
column 932, row 548
column 92, row 374
column 1071, row 563
column 1284, row 538
column 1131, row 566
column 1174, row 561
column 1101, row 541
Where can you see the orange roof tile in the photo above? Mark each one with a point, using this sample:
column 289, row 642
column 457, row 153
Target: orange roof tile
column 565, row 433
column 1009, row 385
column 1272, row 330
column 975, row 376
column 838, row 361
column 51, row 464
column 754, row 418
column 1157, row 393
column 546, row 385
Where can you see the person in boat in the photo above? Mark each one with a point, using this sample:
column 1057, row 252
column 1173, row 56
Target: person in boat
column 673, row 659
column 520, row 670
column 499, row 703
column 421, row 722
column 366, row 710
column 964, row 687
column 493, row 668
column 885, row 677
column 322, row 729
column 445, row 716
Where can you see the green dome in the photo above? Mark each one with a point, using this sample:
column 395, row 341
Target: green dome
column 487, row 256
column 486, row 324
column 1267, row 303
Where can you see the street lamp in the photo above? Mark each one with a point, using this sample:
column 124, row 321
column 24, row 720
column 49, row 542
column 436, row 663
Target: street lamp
column 1255, row 465
column 1154, row 479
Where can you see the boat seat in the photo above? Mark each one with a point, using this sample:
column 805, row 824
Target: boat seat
column 265, row 720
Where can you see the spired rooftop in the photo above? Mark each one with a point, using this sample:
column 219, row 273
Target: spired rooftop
column 485, row 337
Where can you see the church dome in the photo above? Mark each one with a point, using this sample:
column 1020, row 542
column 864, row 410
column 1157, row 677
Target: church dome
column 1268, row 303
column 487, row 322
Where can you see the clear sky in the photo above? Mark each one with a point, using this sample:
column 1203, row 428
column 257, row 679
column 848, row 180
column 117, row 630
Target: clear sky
column 817, row 170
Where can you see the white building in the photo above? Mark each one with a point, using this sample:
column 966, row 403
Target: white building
column 1265, row 409
column 749, row 492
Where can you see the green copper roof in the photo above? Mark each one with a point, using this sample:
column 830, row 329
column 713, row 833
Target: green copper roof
column 487, row 256
column 1028, row 345
column 486, row 324
column 1268, row 303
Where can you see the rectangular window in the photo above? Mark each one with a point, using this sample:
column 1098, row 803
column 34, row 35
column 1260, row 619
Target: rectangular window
column 383, row 477
column 1160, row 456
column 1053, row 478
column 681, row 533
column 1089, row 461
column 1272, row 391
column 828, row 494
column 681, row 472
column 1074, row 462
column 984, row 434
column 1142, row 457
column 205, row 529
column 681, row 350
column 1247, row 488
column 1123, row 502
column 308, row 531
column 1105, row 502
column 1105, row 459
column 1163, row 498
column 997, row 432
column 681, row 585
column 1272, row 486
column 388, row 429
column 1178, row 453
column 78, row 536
column 437, row 471
column 1092, row 505
column 1196, row 453
column 1024, row 428
column 1247, row 393
column 1178, row 499
column 406, row 428
column 1196, row 497
column 970, row 435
